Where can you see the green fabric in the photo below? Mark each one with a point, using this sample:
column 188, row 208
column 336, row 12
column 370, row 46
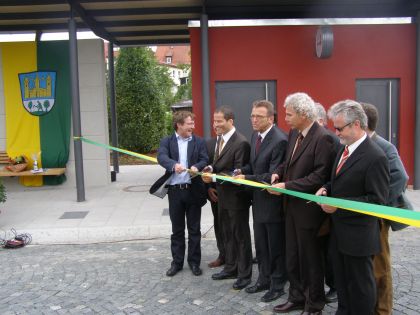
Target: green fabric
column 55, row 126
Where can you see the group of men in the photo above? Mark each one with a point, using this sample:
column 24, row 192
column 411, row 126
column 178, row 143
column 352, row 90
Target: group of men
column 298, row 241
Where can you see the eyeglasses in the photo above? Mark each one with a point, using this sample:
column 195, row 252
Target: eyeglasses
column 258, row 117
column 340, row 129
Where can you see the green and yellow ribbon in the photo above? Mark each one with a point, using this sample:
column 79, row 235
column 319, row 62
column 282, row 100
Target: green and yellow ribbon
column 384, row 212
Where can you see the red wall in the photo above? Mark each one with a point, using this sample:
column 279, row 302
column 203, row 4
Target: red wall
column 287, row 54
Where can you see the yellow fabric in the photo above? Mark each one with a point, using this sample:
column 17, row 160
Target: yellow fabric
column 22, row 128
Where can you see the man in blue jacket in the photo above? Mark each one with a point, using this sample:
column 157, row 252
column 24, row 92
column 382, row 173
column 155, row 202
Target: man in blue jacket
column 177, row 153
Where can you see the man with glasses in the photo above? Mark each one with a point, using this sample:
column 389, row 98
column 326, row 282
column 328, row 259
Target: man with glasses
column 360, row 173
column 309, row 158
column 268, row 148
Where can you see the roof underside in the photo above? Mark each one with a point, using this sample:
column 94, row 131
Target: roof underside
column 147, row 22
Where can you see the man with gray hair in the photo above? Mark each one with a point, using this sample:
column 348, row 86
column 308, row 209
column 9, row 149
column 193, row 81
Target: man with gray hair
column 321, row 114
column 309, row 158
column 360, row 173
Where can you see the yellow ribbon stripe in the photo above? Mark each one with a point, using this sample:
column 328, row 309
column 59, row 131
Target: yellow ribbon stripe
column 384, row 212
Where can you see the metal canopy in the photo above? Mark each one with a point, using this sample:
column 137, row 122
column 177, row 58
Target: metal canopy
column 147, row 22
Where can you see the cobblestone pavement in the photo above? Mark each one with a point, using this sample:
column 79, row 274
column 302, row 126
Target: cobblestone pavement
column 129, row 278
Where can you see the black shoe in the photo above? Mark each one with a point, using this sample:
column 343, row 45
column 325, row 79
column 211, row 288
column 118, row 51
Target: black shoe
column 272, row 295
column 331, row 296
column 173, row 270
column 241, row 283
column 223, row 275
column 196, row 270
column 258, row 287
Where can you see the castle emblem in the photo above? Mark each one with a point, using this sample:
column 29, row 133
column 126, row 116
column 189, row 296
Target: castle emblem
column 38, row 91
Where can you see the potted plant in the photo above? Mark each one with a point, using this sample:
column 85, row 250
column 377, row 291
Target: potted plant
column 2, row 192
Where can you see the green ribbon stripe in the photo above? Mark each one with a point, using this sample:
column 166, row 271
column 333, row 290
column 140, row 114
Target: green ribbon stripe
column 335, row 202
column 400, row 215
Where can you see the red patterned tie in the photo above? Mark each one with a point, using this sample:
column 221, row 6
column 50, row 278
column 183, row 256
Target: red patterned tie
column 258, row 144
column 344, row 158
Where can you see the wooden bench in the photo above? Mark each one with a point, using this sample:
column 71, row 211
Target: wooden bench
column 47, row 172
column 4, row 159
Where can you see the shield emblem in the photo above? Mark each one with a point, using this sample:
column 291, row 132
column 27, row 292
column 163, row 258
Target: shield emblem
column 38, row 91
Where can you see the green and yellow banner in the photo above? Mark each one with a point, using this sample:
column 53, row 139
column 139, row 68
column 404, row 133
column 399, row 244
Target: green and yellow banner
column 37, row 95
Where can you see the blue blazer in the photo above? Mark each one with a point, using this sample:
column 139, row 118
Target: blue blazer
column 168, row 156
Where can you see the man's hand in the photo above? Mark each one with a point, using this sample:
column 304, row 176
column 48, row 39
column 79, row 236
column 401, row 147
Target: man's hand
column 279, row 185
column 239, row 177
column 212, row 194
column 178, row 168
column 274, row 178
column 207, row 169
column 207, row 178
column 321, row 192
column 194, row 169
column 328, row 209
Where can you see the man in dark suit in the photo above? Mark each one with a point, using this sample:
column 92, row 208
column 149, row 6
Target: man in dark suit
column 212, row 197
column 360, row 173
column 186, row 195
column 232, row 153
column 309, row 158
column 268, row 148
column 398, row 182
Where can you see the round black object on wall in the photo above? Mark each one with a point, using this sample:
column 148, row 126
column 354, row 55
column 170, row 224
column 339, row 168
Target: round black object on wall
column 324, row 41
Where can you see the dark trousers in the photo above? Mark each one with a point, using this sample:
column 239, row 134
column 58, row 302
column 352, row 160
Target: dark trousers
column 182, row 205
column 304, row 265
column 355, row 281
column 218, row 230
column 270, row 249
column 237, row 238
column 328, row 268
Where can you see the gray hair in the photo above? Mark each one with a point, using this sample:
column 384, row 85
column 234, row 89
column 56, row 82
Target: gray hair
column 350, row 110
column 320, row 112
column 302, row 104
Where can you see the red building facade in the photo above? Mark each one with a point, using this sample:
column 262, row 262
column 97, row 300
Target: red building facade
column 286, row 54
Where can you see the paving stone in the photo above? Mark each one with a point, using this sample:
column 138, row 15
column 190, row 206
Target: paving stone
column 121, row 278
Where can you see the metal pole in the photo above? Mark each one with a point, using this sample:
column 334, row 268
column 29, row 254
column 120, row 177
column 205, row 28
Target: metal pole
column 416, row 184
column 75, row 99
column 205, row 75
column 114, row 126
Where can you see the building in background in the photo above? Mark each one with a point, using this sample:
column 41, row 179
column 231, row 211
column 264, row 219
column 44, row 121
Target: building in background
column 177, row 61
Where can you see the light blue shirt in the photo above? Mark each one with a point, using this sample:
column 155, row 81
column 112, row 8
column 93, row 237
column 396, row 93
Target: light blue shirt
column 184, row 177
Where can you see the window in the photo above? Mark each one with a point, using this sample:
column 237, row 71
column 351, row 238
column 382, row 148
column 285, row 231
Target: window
column 168, row 59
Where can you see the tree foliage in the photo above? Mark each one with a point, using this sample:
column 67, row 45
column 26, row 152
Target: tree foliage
column 143, row 94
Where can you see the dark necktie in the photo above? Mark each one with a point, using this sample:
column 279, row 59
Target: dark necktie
column 298, row 142
column 216, row 154
column 258, row 144
column 344, row 158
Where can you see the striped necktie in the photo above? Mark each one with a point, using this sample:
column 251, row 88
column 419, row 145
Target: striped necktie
column 344, row 158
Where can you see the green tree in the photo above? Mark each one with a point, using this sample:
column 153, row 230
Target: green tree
column 143, row 94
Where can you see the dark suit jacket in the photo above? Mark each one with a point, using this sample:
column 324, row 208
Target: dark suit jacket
column 307, row 171
column 363, row 177
column 398, row 179
column 168, row 156
column 267, row 208
column 235, row 155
